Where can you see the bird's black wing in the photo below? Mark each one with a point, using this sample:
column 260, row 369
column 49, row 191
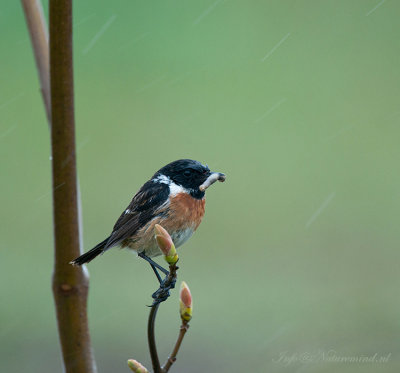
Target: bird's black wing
column 144, row 206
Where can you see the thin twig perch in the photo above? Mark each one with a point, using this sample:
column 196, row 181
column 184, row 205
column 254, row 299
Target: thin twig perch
column 152, row 319
column 152, row 340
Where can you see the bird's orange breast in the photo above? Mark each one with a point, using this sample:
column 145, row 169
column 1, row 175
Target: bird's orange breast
column 185, row 211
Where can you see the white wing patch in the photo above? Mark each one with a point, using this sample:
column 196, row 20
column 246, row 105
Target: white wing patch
column 162, row 179
column 174, row 189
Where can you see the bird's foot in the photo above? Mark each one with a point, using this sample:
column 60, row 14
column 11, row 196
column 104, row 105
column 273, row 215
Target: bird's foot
column 163, row 292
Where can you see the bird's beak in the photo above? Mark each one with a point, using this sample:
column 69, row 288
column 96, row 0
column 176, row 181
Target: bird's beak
column 214, row 176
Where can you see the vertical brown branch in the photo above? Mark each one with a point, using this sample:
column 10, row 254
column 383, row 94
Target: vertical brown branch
column 70, row 285
column 40, row 42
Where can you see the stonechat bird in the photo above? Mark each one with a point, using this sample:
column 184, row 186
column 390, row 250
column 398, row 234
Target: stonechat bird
column 173, row 198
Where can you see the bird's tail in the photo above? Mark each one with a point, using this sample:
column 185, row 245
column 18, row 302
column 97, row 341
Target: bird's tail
column 91, row 254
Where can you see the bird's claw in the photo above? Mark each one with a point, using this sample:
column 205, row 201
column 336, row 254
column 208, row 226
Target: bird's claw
column 163, row 292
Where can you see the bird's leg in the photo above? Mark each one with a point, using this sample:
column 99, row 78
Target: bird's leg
column 162, row 293
column 156, row 273
column 153, row 263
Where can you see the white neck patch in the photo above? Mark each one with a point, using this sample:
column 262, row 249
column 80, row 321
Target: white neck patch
column 174, row 189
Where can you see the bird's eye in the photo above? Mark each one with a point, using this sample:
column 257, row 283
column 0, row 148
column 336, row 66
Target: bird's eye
column 187, row 173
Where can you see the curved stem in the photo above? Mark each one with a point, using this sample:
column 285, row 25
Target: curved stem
column 152, row 340
column 172, row 358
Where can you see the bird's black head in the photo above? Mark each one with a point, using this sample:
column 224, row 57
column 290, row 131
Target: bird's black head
column 191, row 175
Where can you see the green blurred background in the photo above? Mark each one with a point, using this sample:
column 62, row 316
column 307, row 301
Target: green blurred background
column 296, row 101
